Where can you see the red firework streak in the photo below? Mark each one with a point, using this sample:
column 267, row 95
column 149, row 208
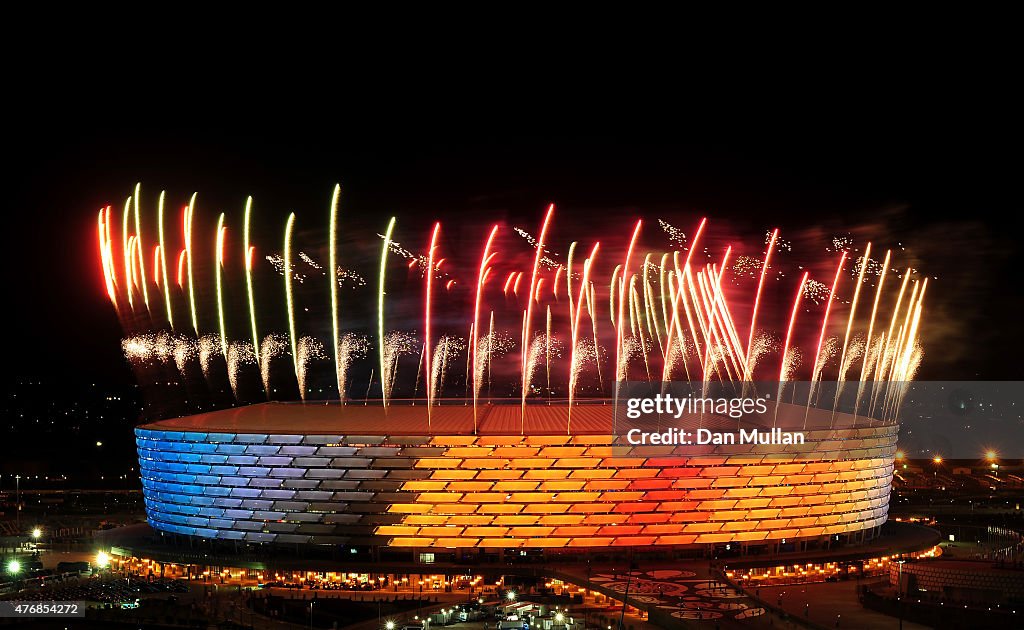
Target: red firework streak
column 757, row 302
column 426, row 319
column 481, row 277
column 529, row 306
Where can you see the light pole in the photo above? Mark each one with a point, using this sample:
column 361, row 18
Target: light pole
column 899, row 591
column 17, row 501
column 311, row 602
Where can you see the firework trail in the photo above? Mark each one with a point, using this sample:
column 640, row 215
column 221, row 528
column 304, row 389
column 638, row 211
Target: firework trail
column 575, row 308
column 163, row 260
column 630, row 349
column 537, row 352
column 825, row 353
column 138, row 240
column 485, row 259
column 849, row 327
column 854, row 351
column 749, row 369
column 430, row 270
column 819, row 362
column 528, row 313
column 273, row 346
column 683, row 311
column 583, row 355
column 763, row 344
column 788, row 362
column 419, row 369
column 910, row 370
column 309, row 349
column 289, row 292
column 619, row 328
column 240, row 353
column 136, row 349
column 491, row 346
column 591, row 308
column 209, row 347
column 396, row 345
column 189, row 214
column 350, row 348
column 106, row 261
column 447, row 348
column 871, row 330
column 248, row 251
column 163, row 346
column 681, row 274
column 675, row 235
column 547, row 351
column 675, row 355
column 127, row 252
column 886, row 354
column 219, row 271
column 185, row 350
column 385, row 381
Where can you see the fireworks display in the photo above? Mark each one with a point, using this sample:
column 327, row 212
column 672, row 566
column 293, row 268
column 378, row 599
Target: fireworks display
column 697, row 307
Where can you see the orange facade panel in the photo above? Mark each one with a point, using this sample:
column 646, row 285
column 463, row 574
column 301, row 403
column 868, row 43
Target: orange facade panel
column 512, row 520
column 468, row 451
column 677, row 539
column 484, row 463
column 500, row 508
column 545, row 474
column 545, row 508
column 500, row 542
column 435, row 463
column 470, row 519
column 408, row 508
column 623, row 462
column 550, row 541
column 515, row 486
column 607, row 484
column 599, row 473
column 500, row 474
column 471, row 486
column 509, row 452
column 563, row 451
column 411, row 542
column 454, row 508
column 453, row 474
column 562, row 486
column 486, row 531
column 560, row 519
column 634, row 541
column 591, row 542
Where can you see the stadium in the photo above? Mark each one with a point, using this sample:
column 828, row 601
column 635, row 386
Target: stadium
column 282, row 473
column 503, row 438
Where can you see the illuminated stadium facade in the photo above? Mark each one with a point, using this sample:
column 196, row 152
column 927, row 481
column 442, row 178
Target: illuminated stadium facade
column 275, row 316
column 283, row 473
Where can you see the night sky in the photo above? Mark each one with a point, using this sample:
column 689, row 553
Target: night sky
column 952, row 199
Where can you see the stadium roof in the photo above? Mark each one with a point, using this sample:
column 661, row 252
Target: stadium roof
column 403, row 418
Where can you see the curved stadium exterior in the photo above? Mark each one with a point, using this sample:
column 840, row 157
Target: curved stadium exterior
column 283, row 473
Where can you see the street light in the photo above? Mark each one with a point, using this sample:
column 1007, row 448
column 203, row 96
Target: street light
column 102, row 560
column 36, row 533
column 390, row 625
column 13, row 567
column 511, row 596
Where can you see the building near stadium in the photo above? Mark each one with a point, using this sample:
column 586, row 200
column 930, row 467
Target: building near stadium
column 324, row 474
